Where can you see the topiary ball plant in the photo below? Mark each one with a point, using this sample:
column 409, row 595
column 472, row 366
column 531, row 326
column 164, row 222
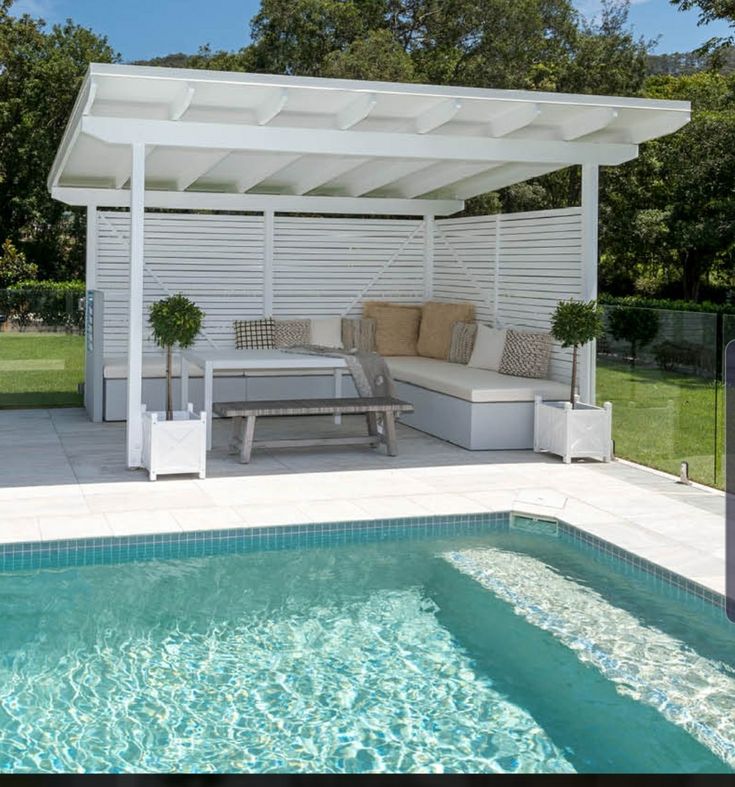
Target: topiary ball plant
column 573, row 324
column 175, row 321
column 633, row 324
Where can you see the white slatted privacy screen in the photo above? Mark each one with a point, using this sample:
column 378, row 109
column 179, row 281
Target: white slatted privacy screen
column 329, row 266
column 514, row 267
column 216, row 260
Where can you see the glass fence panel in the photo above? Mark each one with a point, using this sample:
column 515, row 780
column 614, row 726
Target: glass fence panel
column 660, row 370
column 41, row 348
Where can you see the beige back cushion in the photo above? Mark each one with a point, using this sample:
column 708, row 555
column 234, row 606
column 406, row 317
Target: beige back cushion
column 437, row 319
column 368, row 307
column 396, row 329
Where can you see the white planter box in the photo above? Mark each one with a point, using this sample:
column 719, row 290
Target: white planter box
column 178, row 446
column 582, row 432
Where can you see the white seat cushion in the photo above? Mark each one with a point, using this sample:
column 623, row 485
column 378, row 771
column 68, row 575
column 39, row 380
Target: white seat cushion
column 473, row 385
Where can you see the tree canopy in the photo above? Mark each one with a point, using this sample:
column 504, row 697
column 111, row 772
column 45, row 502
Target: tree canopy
column 665, row 218
column 40, row 74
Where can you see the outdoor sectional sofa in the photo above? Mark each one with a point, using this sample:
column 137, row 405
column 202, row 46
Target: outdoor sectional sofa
column 476, row 408
column 473, row 408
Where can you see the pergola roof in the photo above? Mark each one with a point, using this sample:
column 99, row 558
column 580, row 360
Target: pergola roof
column 365, row 146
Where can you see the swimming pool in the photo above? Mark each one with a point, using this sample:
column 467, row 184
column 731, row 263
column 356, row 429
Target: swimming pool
column 469, row 644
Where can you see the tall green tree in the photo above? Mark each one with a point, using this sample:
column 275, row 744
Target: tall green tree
column 712, row 11
column 605, row 58
column 669, row 216
column 40, row 74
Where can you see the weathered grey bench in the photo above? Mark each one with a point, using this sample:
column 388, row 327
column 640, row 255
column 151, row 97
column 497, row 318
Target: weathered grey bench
column 244, row 415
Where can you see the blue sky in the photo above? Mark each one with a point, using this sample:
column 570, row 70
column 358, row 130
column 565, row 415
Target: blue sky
column 140, row 29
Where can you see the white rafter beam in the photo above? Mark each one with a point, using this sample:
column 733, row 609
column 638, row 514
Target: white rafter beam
column 376, row 175
column 587, row 122
column 498, row 178
column 659, row 126
column 437, row 115
column 438, row 176
column 271, row 107
column 365, row 144
column 261, row 169
column 91, row 95
column 323, row 174
column 181, row 102
column 200, row 200
column 513, row 119
column 198, row 169
column 356, row 111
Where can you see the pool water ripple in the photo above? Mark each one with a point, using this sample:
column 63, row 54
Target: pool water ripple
column 690, row 690
column 373, row 685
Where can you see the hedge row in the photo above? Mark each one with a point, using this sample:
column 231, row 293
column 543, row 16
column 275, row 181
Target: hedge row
column 50, row 303
column 662, row 303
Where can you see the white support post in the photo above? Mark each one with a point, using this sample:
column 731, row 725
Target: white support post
column 590, row 217
column 496, row 273
column 268, row 241
column 135, row 312
column 428, row 257
column 90, row 284
column 91, row 261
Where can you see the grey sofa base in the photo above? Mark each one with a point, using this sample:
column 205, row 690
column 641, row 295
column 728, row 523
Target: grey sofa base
column 477, row 426
column 225, row 389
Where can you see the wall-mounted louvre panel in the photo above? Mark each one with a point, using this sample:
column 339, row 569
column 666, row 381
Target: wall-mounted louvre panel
column 464, row 262
column 539, row 258
column 329, row 266
column 216, row 260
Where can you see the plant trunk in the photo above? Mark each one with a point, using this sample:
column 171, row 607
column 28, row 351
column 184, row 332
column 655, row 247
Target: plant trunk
column 574, row 375
column 169, row 387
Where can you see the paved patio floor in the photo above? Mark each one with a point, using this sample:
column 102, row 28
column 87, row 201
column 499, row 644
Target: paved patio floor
column 63, row 477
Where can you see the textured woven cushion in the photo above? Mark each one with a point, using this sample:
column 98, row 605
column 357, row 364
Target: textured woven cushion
column 358, row 334
column 289, row 333
column 437, row 319
column 255, row 334
column 463, row 340
column 488, row 350
column 526, row 354
column 396, row 329
column 327, row 332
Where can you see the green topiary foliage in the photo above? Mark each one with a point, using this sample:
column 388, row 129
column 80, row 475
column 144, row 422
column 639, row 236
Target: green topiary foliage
column 573, row 324
column 637, row 326
column 175, row 321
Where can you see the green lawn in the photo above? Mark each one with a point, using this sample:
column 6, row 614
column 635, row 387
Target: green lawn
column 40, row 369
column 663, row 418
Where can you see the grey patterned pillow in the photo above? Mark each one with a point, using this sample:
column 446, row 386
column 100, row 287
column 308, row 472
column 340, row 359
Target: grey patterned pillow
column 526, row 354
column 254, row 334
column 462, row 342
column 358, row 334
column 289, row 333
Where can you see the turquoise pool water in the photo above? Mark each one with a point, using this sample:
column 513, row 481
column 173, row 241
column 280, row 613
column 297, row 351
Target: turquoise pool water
column 494, row 652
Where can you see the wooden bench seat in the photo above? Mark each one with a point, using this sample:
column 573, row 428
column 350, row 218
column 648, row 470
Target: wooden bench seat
column 244, row 415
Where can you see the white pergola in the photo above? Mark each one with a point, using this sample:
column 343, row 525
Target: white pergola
column 144, row 137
